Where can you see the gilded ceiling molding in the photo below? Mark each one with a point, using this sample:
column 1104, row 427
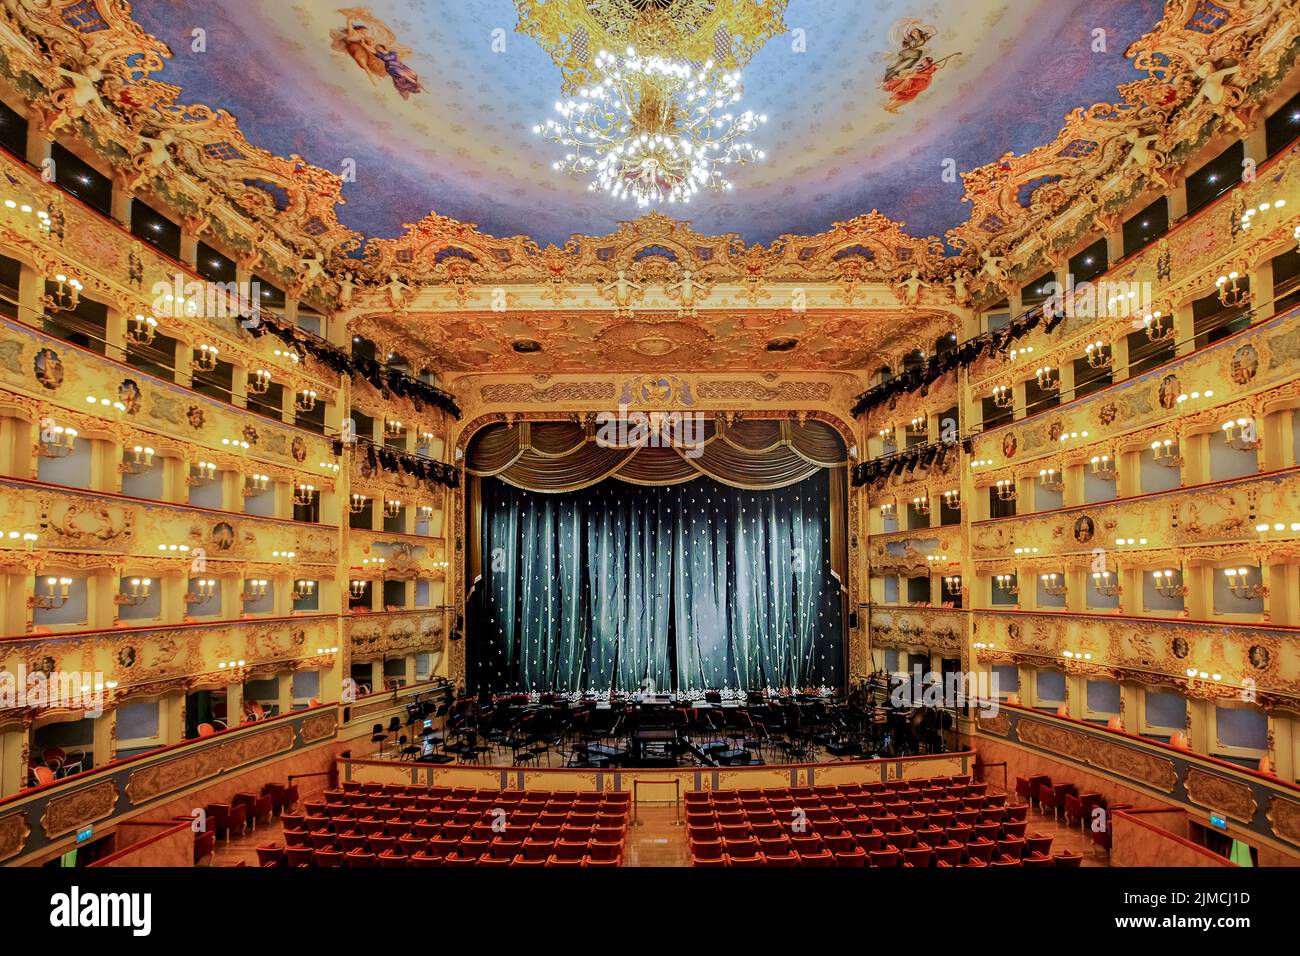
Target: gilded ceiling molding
column 196, row 152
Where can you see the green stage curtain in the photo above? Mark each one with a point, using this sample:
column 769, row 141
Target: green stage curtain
column 695, row 585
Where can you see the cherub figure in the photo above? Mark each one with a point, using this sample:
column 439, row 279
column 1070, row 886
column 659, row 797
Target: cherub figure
column 913, row 285
column 687, row 290
column 152, row 160
column 993, row 268
column 84, row 94
column 347, row 288
column 1147, row 160
column 960, row 291
column 621, row 291
column 398, row 291
column 313, row 267
column 1213, row 88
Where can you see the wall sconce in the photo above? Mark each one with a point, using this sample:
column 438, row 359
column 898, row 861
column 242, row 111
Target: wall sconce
column 357, row 589
column 286, row 555
column 141, row 329
column 137, row 594
column 1006, row 582
column 201, row 473
column 888, row 510
column 1099, row 355
column 174, row 550
column 260, row 383
column 1239, row 584
column 57, row 441
column 327, row 650
column 66, row 297
column 1072, row 436
column 55, row 597
column 1186, row 397
column 1261, row 528
column 1054, row 584
column 1102, row 583
column 936, row 559
column 1077, row 655
column 1195, row 674
column 952, row 500
column 256, row 484
column 236, row 443
column 289, row 354
column 204, row 358
column 306, row 400
column 980, row 463
column 12, row 539
column 392, row 508
column 887, row 434
column 1006, row 489
column 921, row 504
column 203, row 591
column 1163, row 581
column 1262, row 208
column 1003, row 396
column 1166, row 453
column 1049, row 379
column 920, row 424
column 1230, row 292
column 1051, row 479
column 1121, row 542
column 357, row 504
column 303, row 589
column 426, row 512
column 1158, row 327
column 1104, row 468
column 254, row 590
column 952, row 584
column 374, row 563
column 1026, row 552
column 303, row 494
column 983, row 646
column 392, row 427
column 229, row 665
column 105, row 404
column 1240, row 434
column 427, row 437
column 1021, row 352
column 332, row 466
column 137, row 461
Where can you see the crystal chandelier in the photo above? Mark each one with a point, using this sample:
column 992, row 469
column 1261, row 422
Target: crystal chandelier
column 654, row 129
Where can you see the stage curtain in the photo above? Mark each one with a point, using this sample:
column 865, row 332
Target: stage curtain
column 694, row 585
column 566, row 456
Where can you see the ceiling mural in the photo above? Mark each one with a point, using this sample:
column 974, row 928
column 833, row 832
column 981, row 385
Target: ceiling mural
column 868, row 105
column 381, row 160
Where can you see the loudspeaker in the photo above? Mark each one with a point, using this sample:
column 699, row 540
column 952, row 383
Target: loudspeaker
column 853, row 619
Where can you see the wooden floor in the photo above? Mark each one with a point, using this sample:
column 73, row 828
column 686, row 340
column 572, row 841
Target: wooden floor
column 656, row 836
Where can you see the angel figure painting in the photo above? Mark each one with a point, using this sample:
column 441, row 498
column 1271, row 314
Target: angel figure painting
column 911, row 66
column 373, row 46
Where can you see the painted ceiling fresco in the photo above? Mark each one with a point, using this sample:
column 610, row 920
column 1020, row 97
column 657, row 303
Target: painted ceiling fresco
column 447, row 125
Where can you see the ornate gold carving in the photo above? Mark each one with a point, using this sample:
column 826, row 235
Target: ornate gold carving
column 1283, row 817
column 13, row 834
column 1219, row 793
column 69, row 812
column 318, row 727
column 156, row 780
column 1116, row 758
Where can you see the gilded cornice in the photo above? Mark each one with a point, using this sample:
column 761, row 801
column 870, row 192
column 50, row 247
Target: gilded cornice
column 1260, row 662
column 1249, row 373
column 1098, row 160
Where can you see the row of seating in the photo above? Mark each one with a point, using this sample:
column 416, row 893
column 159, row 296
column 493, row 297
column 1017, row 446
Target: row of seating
column 221, row 819
column 385, row 825
column 1065, row 800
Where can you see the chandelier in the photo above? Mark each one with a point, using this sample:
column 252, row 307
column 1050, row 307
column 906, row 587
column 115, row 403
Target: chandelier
column 654, row 129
